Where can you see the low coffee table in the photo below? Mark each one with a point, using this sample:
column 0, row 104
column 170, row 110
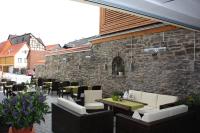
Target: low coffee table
column 123, row 106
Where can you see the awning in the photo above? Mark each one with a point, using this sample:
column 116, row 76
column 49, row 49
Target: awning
column 185, row 13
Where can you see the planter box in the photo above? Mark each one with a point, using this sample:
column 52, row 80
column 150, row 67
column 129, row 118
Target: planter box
column 196, row 109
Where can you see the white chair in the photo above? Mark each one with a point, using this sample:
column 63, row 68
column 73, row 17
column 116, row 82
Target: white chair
column 90, row 99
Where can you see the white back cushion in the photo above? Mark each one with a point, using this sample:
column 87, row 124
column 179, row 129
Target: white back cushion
column 165, row 99
column 136, row 115
column 135, row 95
column 92, row 95
column 96, row 105
column 72, row 106
column 150, row 98
column 131, row 94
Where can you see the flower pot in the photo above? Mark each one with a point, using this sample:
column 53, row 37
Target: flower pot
column 23, row 130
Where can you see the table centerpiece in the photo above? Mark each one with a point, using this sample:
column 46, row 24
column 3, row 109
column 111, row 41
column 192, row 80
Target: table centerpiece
column 117, row 95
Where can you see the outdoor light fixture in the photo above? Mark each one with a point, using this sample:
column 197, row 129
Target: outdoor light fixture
column 90, row 56
column 87, row 56
column 64, row 59
column 155, row 50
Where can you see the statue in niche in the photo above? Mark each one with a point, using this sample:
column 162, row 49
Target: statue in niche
column 118, row 66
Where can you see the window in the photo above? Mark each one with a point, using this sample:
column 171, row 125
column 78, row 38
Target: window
column 19, row 60
column 25, row 51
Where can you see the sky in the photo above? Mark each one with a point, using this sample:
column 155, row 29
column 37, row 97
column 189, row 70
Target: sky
column 54, row 21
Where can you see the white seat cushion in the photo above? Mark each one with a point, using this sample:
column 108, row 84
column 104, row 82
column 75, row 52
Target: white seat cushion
column 136, row 115
column 150, row 99
column 147, row 109
column 177, row 109
column 71, row 106
column 135, row 95
column 96, row 105
column 155, row 115
column 164, row 113
column 165, row 99
column 131, row 95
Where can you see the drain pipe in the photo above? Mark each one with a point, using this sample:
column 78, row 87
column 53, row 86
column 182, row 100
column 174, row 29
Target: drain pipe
column 194, row 46
column 194, row 58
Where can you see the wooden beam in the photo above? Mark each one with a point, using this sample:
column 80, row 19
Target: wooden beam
column 134, row 34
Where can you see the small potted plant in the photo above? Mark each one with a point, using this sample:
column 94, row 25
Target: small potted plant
column 117, row 95
column 193, row 101
column 23, row 110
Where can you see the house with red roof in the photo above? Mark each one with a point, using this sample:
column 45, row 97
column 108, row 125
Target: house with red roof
column 71, row 47
column 36, row 47
column 13, row 56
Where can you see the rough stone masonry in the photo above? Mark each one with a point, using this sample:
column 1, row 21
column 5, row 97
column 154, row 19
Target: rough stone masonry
column 173, row 72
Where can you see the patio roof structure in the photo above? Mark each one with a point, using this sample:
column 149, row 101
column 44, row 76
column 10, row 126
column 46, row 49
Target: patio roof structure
column 176, row 12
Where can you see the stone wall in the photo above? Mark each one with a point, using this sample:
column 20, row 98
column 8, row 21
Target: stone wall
column 171, row 72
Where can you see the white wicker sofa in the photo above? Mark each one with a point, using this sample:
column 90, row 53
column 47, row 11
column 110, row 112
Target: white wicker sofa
column 69, row 117
column 176, row 119
column 154, row 101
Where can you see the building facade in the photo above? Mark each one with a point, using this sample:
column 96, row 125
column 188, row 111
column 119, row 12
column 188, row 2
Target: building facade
column 20, row 58
column 36, row 48
column 13, row 57
column 119, row 61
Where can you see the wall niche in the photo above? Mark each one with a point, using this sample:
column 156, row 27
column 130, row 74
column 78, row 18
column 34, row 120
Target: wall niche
column 118, row 67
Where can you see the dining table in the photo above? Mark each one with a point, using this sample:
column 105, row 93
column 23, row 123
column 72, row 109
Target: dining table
column 123, row 106
column 73, row 89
